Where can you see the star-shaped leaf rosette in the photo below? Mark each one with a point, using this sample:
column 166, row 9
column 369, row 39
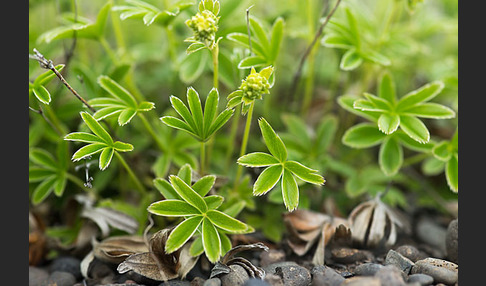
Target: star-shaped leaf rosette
column 187, row 200
column 278, row 168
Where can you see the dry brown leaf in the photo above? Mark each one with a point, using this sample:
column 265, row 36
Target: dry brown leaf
column 158, row 265
column 306, row 228
column 373, row 224
column 221, row 268
column 117, row 248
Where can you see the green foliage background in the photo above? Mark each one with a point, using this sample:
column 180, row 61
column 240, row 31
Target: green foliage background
column 414, row 41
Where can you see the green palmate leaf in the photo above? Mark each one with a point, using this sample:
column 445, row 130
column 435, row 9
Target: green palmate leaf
column 43, row 189
column 276, row 38
column 267, row 180
column 43, row 158
column 363, row 135
column 122, row 147
column 105, row 157
column 194, row 47
column 290, row 191
column 178, row 124
column 211, row 241
column 304, row 173
column 117, row 91
column 166, row 189
column 96, row 128
column 257, row 159
column 193, row 66
column 253, row 61
column 390, row 156
column 226, row 244
column 47, row 76
column 260, row 34
column 146, row 106
column 274, row 144
column 184, row 112
column 347, row 102
column 83, row 137
column 106, row 112
column 423, row 94
column 222, row 118
column 42, row 94
column 452, row 173
column 430, row 110
column 60, row 185
column 336, row 41
column 442, row 151
column 411, row 144
column 37, row 174
column 214, row 201
column 366, row 105
column 298, row 128
column 125, row 116
column 172, row 208
column 226, row 222
column 379, row 102
column 414, row 128
column 188, row 194
column 210, row 110
column 376, row 57
column 388, row 123
column 196, row 248
column 386, row 89
column 88, row 150
column 350, row 60
column 204, row 185
column 194, row 103
column 105, row 102
column 433, row 166
column 185, row 174
column 182, row 233
column 326, row 132
column 242, row 39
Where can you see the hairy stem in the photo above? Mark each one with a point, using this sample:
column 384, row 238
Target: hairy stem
column 132, row 175
column 232, row 136
column 215, row 54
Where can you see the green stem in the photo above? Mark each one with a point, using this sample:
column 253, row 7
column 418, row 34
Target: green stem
column 132, row 175
column 309, row 83
column 151, row 131
column 415, row 159
column 172, row 46
column 120, row 42
column 244, row 142
column 215, row 54
column 202, row 163
column 78, row 182
column 108, row 50
column 232, row 138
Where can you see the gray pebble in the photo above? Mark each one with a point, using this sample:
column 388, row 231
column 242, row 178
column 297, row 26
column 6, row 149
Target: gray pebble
column 400, row 261
column 348, row 255
column 271, row 256
column 410, row 252
column 237, row 276
column 273, row 279
column 212, row 282
column 67, row 264
column 432, row 233
column 60, row 278
column 37, row 275
column 367, row 269
column 324, row 275
column 256, row 282
column 362, row 281
column 452, row 241
column 175, row 283
column 442, row 271
column 291, row 273
column 422, row 279
column 390, row 275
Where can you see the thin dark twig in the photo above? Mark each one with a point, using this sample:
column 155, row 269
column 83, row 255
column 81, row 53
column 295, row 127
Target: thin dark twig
column 298, row 73
column 47, row 64
column 248, row 27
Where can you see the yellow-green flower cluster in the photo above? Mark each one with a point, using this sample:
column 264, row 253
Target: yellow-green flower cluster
column 255, row 85
column 205, row 25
